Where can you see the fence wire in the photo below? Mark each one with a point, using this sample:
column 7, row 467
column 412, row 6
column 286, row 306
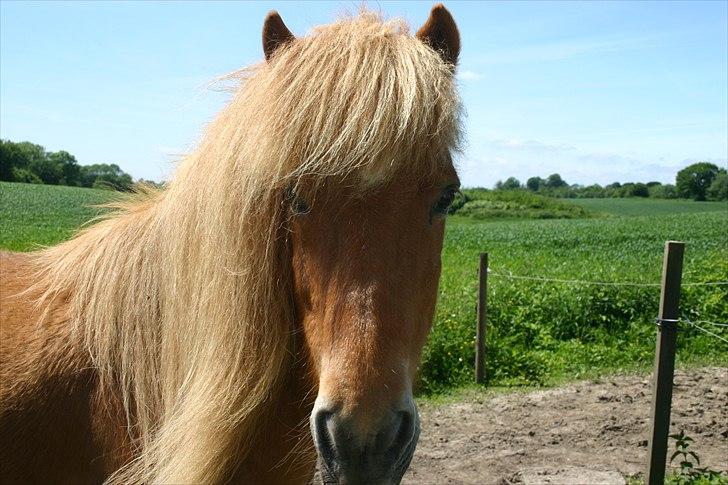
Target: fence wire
column 712, row 323
column 512, row 276
column 697, row 324
column 704, row 330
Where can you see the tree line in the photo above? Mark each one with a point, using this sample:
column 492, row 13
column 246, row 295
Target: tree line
column 31, row 163
column 699, row 181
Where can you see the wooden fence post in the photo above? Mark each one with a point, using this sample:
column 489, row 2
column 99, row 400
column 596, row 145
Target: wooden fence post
column 480, row 331
column 664, row 361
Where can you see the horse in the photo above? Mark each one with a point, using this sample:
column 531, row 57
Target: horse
column 268, row 307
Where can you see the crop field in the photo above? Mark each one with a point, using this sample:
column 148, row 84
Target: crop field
column 645, row 207
column 538, row 332
column 41, row 215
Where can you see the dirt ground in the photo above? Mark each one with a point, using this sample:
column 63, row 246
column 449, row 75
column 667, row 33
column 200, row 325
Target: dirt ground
column 579, row 433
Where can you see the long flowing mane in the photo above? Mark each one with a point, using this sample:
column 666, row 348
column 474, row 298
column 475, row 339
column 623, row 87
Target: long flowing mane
column 182, row 299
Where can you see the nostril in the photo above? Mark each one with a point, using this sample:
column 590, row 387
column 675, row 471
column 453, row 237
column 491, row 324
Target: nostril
column 324, row 440
column 405, row 431
column 388, row 437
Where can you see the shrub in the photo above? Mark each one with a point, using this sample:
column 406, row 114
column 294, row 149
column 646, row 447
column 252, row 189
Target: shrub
column 520, row 204
column 26, row 176
column 718, row 189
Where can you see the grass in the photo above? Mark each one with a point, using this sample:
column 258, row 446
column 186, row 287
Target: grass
column 538, row 333
column 41, row 215
column 642, row 207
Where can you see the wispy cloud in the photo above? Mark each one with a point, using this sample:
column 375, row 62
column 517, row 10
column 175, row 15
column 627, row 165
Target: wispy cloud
column 532, row 146
column 499, row 159
column 469, row 76
column 556, row 51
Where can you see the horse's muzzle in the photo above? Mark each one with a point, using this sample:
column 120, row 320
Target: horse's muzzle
column 379, row 456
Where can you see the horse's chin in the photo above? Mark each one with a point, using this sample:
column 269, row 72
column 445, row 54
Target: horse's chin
column 372, row 476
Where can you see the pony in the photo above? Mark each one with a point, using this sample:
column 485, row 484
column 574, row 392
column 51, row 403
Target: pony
column 267, row 308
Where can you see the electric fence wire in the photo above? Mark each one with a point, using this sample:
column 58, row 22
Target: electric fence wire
column 705, row 330
column 705, row 322
column 512, row 276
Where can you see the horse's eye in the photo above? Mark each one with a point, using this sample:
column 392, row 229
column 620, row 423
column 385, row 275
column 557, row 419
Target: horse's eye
column 298, row 205
column 443, row 204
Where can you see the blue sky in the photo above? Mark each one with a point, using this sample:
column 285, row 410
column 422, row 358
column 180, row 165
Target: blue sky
column 597, row 91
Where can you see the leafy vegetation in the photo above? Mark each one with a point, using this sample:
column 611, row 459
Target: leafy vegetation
column 513, row 204
column 694, row 181
column 31, row 163
column 690, row 472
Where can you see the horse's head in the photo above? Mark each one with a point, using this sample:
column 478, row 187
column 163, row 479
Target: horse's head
column 366, row 265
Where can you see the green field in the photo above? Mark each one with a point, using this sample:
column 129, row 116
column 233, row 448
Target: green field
column 648, row 207
column 538, row 332
column 41, row 215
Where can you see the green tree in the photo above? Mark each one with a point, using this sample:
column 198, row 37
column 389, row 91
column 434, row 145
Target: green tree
column 718, row 190
column 666, row 191
column 511, row 183
column 30, row 163
column 592, row 191
column 639, row 190
column 26, row 176
column 693, row 181
column 105, row 176
column 46, row 169
column 67, row 165
column 534, row 183
column 11, row 159
column 554, row 181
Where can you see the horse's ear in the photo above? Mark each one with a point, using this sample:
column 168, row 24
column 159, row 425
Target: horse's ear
column 275, row 34
column 441, row 33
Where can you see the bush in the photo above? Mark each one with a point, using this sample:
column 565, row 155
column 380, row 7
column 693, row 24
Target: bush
column 26, row 176
column 639, row 190
column 718, row 190
column 521, row 204
column 666, row 191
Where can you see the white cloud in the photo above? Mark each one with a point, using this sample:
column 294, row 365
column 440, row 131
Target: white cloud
column 532, row 146
column 469, row 76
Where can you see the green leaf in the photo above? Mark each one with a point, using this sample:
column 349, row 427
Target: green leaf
column 695, row 455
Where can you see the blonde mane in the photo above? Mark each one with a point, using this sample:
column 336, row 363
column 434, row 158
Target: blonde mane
column 183, row 299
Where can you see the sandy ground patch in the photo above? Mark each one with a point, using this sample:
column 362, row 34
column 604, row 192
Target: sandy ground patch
column 599, row 426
